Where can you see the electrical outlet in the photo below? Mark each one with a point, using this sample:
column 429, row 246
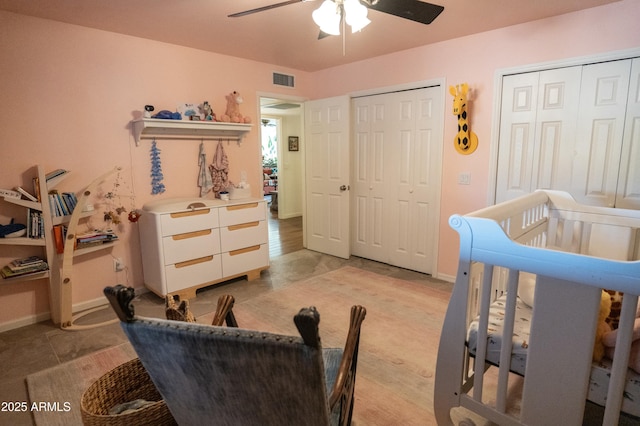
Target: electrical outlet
column 118, row 264
column 464, row 178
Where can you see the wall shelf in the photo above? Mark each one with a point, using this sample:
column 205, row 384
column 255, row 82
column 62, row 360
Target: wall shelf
column 23, row 241
column 153, row 128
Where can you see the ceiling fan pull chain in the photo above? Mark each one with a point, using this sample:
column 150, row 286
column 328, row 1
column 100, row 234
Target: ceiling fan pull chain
column 344, row 37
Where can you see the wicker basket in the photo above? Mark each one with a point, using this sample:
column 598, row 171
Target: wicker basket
column 127, row 382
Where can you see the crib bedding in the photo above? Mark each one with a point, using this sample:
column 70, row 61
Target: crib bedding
column 600, row 372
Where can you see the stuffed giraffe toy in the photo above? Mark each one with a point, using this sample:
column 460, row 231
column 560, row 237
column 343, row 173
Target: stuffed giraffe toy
column 465, row 141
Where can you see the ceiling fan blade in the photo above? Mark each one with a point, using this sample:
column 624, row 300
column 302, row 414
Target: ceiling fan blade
column 263, row 8
column 414, row 10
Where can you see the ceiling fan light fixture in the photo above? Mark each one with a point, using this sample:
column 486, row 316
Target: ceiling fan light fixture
column 327, row 17
column 356, row 15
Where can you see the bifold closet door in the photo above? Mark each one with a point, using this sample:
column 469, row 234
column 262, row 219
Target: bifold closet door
column 628, row 192
column 397, row 151
column 598, row 143
column 538, row 124
column 575, row 129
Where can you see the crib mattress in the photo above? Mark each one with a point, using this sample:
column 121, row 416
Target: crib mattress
column 599, row 380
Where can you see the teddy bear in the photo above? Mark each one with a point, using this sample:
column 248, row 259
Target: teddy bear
column 232, row 113
column 609, row 341
column 602, row 327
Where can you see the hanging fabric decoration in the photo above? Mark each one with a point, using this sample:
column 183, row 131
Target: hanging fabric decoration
column 204, row 179
column 157, row 187
column 219, row 170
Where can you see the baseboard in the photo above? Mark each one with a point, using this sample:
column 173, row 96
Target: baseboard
column 289, row 216
column 446, row 277
column 44, row 316
column 24, row 321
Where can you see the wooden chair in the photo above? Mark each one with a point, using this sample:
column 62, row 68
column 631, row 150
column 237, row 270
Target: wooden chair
column 179, row 311
column 233, row 376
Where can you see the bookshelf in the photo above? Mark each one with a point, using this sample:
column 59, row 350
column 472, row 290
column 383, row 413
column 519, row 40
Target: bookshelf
column 45, row 242
column 59, row 275
column 63, row 287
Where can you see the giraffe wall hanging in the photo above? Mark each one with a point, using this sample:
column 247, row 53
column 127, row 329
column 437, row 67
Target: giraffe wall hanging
column 465, row 141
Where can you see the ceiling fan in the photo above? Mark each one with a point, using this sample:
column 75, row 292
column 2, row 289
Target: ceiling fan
column 414, row 10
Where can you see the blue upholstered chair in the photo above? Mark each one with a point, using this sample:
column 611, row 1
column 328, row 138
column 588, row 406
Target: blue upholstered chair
column 232, row 376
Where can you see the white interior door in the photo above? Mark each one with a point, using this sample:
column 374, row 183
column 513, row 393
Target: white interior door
column 397, row 149
column 327, row 176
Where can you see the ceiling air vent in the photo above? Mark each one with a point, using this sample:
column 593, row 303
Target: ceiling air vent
column 283, row 80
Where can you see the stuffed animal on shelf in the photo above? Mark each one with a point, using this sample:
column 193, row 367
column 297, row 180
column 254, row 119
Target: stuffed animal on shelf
column 232, row 113
column 603, row 327
column 609, row 341
column 13, row 230
column 207, row 111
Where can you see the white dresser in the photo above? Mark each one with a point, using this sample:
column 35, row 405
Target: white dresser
column 190, row 243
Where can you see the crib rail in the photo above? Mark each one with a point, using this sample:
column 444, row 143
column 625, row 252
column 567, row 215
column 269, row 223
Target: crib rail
column 568, row 247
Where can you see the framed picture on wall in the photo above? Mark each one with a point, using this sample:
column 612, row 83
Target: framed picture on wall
column 293, row 143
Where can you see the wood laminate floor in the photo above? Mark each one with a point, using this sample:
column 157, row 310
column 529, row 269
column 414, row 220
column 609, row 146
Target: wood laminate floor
column 285, row 235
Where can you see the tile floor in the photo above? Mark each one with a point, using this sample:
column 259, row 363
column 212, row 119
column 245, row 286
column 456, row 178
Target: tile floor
column 36, row 347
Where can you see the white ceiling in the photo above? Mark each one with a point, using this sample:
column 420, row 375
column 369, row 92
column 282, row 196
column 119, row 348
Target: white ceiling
column 287, row 36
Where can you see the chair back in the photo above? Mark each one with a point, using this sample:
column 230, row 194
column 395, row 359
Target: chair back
column 232, row 376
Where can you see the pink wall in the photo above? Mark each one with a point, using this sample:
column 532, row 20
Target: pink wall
column 474, row 60
column 69, row 92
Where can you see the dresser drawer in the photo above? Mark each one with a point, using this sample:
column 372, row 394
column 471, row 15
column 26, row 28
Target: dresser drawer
column 246, row 259
column 235, row 237
column 242, row 213
column 189, row 221
column 193, row 273
column 191, row 245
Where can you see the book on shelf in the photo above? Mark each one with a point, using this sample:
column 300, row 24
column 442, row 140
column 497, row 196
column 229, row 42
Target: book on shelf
column 95, row 238
column 25, row 266
column 55, row 173
column 59, row 235
column 25, row 194
column 35, row 224
column 62, row 204
column 36, row 188
column 8, row 193
column 26, row 261
column 6, row 272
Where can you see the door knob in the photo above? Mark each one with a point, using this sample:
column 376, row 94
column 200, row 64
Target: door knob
column 344, row 187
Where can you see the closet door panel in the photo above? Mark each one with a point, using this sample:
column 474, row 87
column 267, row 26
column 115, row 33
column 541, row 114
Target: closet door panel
column 556, row 120
column 628, row 191
column 403, row 108
column 517, row 135
column 598, row 145
column 428, row 142
column 369, row 171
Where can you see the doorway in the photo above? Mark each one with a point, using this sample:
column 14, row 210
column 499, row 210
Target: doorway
column 280, row 121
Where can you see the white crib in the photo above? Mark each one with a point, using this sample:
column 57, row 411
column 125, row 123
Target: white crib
column 574, row 252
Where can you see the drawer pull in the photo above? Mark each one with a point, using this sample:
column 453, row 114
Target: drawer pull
column 243, row 226
column 191, row 235
column 242, row 206
column 194, row 261
column 244, row 250
column 190, row 213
